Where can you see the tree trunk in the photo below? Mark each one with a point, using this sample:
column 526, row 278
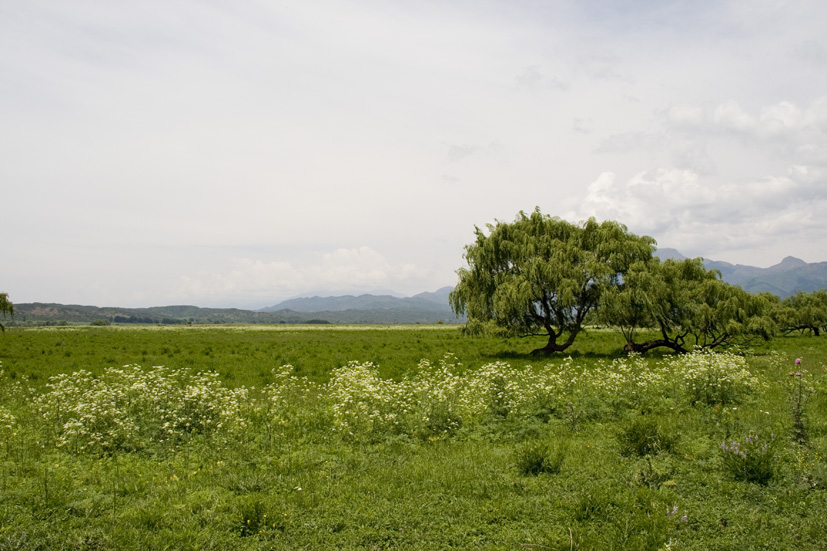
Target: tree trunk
column 642, row 347
column 552, row 346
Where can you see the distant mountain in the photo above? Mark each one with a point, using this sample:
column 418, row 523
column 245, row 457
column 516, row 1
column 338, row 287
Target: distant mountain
column 783, row 279
column 436, row 302
column 669, row 254
column 383, row 309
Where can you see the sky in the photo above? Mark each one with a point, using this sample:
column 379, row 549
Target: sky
column 239, row 153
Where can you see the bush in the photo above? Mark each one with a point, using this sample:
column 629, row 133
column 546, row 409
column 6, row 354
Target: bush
column 715, row 378
column 132, row 408
column 751, row 460
column 534, row 458
column 644, row 436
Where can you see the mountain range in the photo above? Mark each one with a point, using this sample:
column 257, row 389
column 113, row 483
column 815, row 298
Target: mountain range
column 429, row 307
column 782, row 279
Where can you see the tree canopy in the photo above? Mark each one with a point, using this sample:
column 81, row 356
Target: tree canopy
column 543, row 275
column 804, row 312
column 686, row 304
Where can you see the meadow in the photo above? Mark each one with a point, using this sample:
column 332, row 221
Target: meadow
column 404, row 437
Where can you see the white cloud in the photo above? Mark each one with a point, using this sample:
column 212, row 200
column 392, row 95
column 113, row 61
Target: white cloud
column 342, row 271
column 730, row 116
column 700, row 217
column 783, row 119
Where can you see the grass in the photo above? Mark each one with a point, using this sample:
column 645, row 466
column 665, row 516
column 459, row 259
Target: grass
column 483, row 449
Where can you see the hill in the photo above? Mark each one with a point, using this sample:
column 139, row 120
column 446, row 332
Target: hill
column 435, row 303
column 383, row 309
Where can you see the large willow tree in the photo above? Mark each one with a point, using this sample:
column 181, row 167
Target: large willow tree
column 543, row 275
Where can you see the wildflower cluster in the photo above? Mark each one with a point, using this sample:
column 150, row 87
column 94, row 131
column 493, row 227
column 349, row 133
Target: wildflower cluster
column 8, row 424
column 752, row 459
column 431, row 403
column 437, row 400
column 286, row 402
column 715, row 378
column 129, row 408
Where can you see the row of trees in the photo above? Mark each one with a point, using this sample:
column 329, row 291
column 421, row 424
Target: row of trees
column 543, row 275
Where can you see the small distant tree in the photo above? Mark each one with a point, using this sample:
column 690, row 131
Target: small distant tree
column 543, row 275
column 6, row 308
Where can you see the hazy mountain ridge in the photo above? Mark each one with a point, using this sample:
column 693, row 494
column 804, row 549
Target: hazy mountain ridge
column 436, row 301
column 783, row 279
column 428, row 307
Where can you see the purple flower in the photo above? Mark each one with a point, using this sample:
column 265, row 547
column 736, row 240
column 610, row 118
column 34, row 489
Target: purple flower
column 798, row 374
column 798, row 361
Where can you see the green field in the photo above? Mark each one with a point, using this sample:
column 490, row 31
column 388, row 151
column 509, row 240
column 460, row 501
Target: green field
column 404, row 437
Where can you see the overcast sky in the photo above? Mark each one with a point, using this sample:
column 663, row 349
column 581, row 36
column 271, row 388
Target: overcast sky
column 237, row 153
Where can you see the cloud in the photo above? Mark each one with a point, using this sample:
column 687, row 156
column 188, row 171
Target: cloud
column 781, row 120
column 629, row 141
column 701, row 217
column 341, row 271
column 531, row 78
column 457, row 153
column 811, row 51
column 603, row 66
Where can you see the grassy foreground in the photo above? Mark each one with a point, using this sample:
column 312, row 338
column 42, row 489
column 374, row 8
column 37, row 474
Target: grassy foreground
column 404, row 438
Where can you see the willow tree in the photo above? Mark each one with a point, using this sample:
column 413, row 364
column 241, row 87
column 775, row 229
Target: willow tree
column 727, row 314
column 6, row 308
column 660, row 296
column 687, row 305
column 805, row 312
column 542, row 276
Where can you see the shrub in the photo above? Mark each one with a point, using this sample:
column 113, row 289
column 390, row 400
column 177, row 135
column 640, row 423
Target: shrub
column 644, row 436
column 126, row 409
column 752, row 459
column 715, row 378
column 534, row 458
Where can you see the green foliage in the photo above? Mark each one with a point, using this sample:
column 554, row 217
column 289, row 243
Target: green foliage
column 804, row 312
column 751, row 459
column 6, row 308
column 645, row 436
column 533, row 458
column 800, row 393
column 543, row 274
column 726, row 315
column 687, row 305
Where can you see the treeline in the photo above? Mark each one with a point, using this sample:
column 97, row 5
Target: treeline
column 543, row 275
